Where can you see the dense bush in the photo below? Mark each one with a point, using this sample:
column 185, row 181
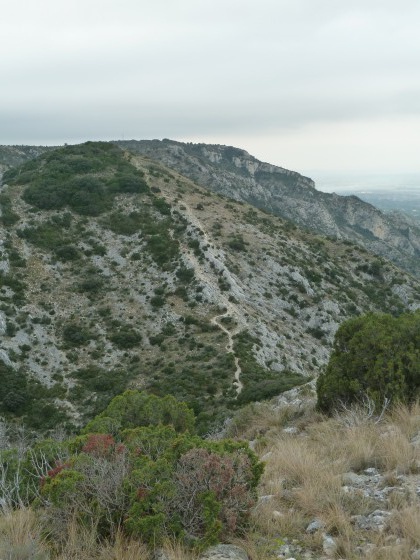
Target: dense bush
column 75, row 335
column 15, row 283
column 376, row 355
column 150, row 478
column 85, row 178
column 23, row 396
column 259, row 382
column 185, row 274
column 124, row 224
column 134, row 408
column 125, row 337
column 46, row 236
column 237, row 243
column 8, row 217
column 67, row 253
column 14, row 392
column 269, row 388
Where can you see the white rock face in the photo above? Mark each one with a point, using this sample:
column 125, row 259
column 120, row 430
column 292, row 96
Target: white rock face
column 2, row 323
column 292, row 196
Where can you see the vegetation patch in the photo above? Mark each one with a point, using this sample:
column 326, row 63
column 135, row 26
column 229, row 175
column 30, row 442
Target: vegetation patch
column 8, row 216
column 377, row 356
column 139, row 470
column 125, row 337
column 85, row 178
column 260, row 383
column 75, row 334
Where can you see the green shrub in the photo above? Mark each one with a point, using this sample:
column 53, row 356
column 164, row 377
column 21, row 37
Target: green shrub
column 85, row 178
column 161, row 205
column 45, row 236
column 75, row 335
column 376, row 355
column 124, row 224
column 8, row 216
column 136, row 408
column 14, row 282
column 92, row 283
column 129, row 182
column 94, row 378
column 237, row 243
column 157, row 301
column 14, row 393
column 125, row 337
column 67, row 253
column 269, row 388
column 184, row 274
column 149, row 478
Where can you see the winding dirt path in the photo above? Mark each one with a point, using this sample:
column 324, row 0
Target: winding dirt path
column 206, row 278
column 229, row 347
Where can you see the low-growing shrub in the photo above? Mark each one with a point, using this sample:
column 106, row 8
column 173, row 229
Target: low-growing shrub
column 75, row 335
column 125, row 337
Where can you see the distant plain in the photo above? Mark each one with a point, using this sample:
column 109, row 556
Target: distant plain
column 386, row 192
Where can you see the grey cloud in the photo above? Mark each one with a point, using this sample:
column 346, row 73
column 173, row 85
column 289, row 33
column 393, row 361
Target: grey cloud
column 98, row 69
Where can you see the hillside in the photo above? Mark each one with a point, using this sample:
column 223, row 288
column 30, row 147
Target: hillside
column 235, row 173
column 119, row 272
column 12, row 156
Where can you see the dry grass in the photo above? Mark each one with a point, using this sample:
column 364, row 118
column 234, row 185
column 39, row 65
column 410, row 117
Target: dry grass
column 77, row 542
column 397, row 453
column 272, row 520
column 123, row 549
column 391, row 552
column 304, row 475
column 21, row 536
column 174, row 550
column 260, row 419
column 406, row 418
column 406, row 523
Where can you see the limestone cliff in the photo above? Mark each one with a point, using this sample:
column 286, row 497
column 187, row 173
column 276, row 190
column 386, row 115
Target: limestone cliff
column 235, row 173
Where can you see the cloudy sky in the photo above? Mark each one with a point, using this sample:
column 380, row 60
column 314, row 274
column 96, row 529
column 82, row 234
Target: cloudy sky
column 329, row 85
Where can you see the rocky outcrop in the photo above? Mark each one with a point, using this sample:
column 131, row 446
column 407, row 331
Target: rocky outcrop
column 217, row 552
column 224, row 552
column 235, row 173
column 11, row 156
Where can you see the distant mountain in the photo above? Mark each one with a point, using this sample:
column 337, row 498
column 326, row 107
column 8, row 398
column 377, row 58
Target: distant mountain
column 234, row 173
column 118, row 271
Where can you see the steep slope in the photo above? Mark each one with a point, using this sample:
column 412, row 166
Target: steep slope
column 235, row 173
column 117, row 272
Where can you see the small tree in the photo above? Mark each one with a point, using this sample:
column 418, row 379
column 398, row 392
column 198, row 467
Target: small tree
column 136, row 408
column 377, row 355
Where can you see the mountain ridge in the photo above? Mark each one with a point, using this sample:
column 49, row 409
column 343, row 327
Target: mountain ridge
column 234, row 173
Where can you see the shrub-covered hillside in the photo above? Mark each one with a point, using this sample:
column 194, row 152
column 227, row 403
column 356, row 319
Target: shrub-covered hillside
column 117, row 273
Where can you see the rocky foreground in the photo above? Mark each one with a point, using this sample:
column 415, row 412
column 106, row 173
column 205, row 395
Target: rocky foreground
column 342, row 487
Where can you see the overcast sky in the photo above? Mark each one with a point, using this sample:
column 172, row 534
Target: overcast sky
column 305, row 84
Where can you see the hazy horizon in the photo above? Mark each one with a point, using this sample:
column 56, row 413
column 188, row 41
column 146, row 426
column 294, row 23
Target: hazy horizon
column 339, row 181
